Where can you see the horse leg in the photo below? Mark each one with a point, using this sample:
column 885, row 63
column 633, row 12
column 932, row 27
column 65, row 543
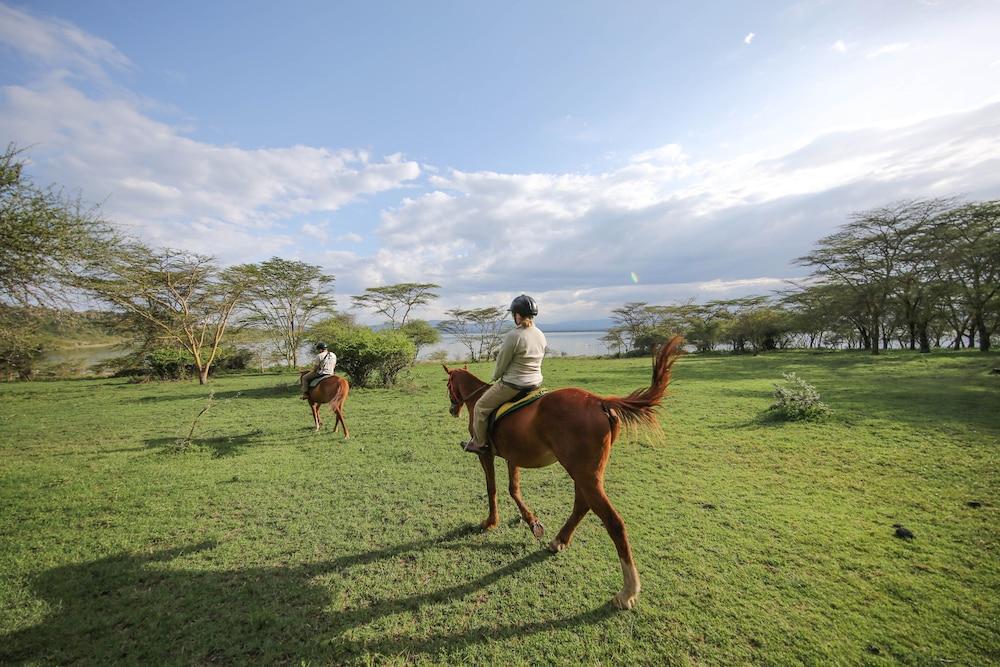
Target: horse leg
column 565, row 535
column 316, row 419
column 340, row 420
column 486, row 460
column 514, row 486
column 597, row 499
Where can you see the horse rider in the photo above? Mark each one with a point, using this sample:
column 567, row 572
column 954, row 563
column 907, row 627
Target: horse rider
column 518, row 369
column 326, row 363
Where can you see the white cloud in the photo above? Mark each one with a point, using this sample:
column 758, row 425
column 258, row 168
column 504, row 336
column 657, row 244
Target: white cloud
column 706, row 228
column 315, row 231
column 350, row 237
column 749, row 38
column 56, row 43
column 671, row 153
column 888, row 49
column 152, row 177
column 839, row 46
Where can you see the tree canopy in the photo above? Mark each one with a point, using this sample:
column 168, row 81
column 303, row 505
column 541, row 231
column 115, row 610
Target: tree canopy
column 396, row 301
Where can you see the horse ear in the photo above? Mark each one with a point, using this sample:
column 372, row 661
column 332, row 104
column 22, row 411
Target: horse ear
column 465, row 366
column 446, row 369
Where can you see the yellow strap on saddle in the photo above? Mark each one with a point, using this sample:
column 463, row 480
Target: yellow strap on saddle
column 515, row 405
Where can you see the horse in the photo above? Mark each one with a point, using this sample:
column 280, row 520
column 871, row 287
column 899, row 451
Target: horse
column 332, row 390
column 575, row 428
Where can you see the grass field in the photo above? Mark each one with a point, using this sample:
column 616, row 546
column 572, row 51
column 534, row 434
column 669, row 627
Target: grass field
column 758, row 542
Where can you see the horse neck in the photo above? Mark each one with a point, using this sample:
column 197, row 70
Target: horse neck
column 469, row 384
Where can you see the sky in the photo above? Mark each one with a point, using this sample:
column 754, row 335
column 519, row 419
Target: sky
column 586, row 153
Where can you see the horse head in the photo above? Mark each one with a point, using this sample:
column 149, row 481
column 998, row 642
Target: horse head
column 453, row 395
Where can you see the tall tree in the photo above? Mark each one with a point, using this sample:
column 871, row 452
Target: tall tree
column 396, row 301
column 478, row 329
column 44, row 237
column 283, row 297
column 968, row 242
column 865, row 257
column 183, row 296
column 633, row 320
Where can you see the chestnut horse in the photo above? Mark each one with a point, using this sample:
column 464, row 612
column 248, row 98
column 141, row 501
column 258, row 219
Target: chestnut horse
column 332, row 390
column 575, row 428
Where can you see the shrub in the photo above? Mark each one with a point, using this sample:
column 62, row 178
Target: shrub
column 438, row 356
column 797, row 400
column 167, row 363
column 366, row 357
column 421, row 333
column 231, row 359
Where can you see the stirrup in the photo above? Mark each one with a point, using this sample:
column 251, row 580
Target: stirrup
column 473, row 447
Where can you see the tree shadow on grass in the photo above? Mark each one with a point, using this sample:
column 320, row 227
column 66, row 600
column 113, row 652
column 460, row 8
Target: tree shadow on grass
column 143, row 608
column 274, row 391
column 221, row 446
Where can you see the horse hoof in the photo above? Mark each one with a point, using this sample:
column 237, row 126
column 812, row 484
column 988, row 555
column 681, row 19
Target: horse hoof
column 557, row 545
column 625, row 600
column 537, row 529
column 488, row 524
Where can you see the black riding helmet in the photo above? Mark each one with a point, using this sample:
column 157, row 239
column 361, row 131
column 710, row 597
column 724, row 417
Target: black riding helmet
column 320, row 347
column 524, row 306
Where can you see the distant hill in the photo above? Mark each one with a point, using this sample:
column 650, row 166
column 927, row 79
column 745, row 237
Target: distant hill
column 569, row 325
column 576, row 325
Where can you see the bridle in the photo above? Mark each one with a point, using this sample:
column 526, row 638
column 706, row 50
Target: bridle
column 457, row 405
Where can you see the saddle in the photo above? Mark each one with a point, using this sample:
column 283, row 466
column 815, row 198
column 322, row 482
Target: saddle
column 524, row 398
column 316, row 380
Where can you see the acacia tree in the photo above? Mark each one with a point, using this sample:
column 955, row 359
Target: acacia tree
column 478, row 329
column 396, row 301
column 283, row 297
column 183, row 296
column 614, row 340
column 633, row 320
column 44, row 237
column 865, row 257
column 968, row 243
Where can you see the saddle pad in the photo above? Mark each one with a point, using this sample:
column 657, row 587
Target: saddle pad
column 515, row 405
column 315, row 381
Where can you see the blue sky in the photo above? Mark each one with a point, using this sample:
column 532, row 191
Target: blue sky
column 553, row 148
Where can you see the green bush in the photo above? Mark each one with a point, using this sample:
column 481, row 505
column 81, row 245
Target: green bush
column 797, row 400
column 167, row 363
column 229, row 359
column 366, row 357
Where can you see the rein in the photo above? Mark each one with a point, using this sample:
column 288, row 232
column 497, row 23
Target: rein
column 463, row 400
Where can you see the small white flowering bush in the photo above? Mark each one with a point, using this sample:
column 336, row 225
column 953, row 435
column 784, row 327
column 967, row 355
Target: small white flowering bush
column 797, row 400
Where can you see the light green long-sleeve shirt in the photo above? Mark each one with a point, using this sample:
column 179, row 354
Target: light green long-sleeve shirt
column 519, row 362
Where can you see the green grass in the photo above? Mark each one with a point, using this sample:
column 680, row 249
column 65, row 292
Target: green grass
column 757, row 542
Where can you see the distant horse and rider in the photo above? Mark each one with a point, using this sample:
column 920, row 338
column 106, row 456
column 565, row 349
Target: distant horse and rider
column 321, row 387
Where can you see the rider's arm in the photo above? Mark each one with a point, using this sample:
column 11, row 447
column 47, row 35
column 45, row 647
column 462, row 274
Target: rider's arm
column 505, row 356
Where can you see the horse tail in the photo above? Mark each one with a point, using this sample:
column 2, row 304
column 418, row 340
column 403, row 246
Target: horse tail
column 637, row 409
